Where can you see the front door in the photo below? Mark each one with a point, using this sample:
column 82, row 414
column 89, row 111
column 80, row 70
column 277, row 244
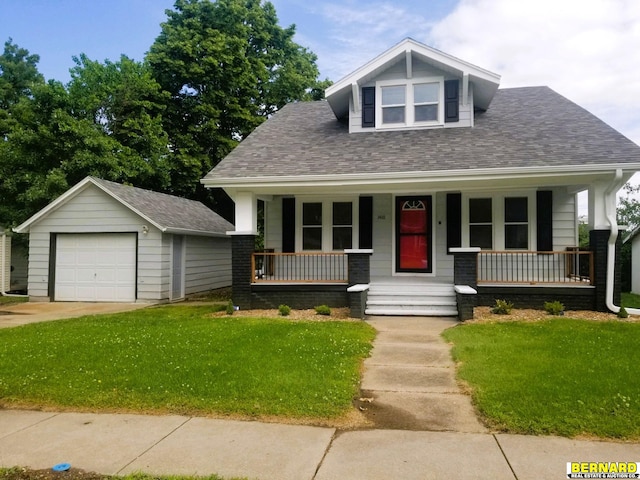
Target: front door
column 413, row 234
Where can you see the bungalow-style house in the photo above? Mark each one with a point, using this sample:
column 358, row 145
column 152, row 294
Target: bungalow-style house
column 101, row 241
column 419, row 187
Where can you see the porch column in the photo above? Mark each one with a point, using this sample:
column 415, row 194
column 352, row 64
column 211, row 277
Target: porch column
column 465, row 278
column 359, row 264
column 242, row 247
column 598, row 243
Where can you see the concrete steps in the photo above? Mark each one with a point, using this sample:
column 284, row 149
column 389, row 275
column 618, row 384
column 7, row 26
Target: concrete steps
column 407, row 297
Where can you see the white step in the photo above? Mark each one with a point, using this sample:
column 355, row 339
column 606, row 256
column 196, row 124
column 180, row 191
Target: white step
column 423, row 302
column 390, row 289
column 423, row 312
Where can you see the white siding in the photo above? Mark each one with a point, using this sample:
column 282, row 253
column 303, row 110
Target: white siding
column 273, row 224
column 381, row 260
column 208, row 263
column 5, row 245
column 20, row 264
column 444, row 262
column 565, row 224
column 398, row 71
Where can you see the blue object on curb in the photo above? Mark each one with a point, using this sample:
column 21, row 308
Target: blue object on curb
column 61, row 467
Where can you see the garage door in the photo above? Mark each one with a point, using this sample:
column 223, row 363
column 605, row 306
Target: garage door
column 96, row 267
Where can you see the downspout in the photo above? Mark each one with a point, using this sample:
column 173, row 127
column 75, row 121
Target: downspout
column 612, row 189
column 2, row 266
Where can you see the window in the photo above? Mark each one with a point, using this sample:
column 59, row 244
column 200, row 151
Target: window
column 312, row 226
column 393, row 104
column 342, row 225
column 425, row 100
column 417, row 102
column 516, row 223
column 481, row 223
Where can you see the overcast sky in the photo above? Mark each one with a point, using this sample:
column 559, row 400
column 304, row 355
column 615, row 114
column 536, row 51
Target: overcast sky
column 587, row 50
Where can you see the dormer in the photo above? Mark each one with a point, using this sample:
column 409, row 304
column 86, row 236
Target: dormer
column 412, row 86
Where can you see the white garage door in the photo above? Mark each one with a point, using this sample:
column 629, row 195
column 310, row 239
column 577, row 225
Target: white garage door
column 96, row 267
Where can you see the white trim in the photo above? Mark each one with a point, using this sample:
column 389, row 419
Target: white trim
column 465, row 290
column 327, row 220
column 183, row 260
column 358, row 250
column 465, row 249
column 460, row 175
column 409, row 103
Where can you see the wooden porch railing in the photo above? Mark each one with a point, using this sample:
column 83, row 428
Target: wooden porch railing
column 299, row 267
column 512, row 267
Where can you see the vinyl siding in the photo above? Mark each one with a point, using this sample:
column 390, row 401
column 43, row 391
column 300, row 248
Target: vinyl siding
column 635, row 265
column 207, row 263
column 5, row 244
column 398, row 71
column 565, row 225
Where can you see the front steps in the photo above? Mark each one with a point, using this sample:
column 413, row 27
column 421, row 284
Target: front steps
column 411, row 297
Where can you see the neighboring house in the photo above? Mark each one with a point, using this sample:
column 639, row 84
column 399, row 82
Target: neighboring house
column 417, row 174
column 103, row 241
column 634, row 238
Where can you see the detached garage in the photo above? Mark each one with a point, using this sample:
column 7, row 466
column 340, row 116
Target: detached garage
column 105, row 242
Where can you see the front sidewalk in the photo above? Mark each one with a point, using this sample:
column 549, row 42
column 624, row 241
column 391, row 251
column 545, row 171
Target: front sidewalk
column 123, row 443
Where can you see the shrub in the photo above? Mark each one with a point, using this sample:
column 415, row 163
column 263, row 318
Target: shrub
column 229, row 308
column 554, row 308
column 323, row 310
column 284, row 310
column 502, row 307
column 622, row 313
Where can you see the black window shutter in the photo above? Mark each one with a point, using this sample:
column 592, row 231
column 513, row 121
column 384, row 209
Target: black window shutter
column 368, row 107
column 451, row 100
column 366, row 222
column 454, row 220
column 544, row 220
column 288, row 225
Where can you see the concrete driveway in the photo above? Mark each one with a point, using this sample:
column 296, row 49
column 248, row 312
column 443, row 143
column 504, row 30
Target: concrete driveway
column 24, row 313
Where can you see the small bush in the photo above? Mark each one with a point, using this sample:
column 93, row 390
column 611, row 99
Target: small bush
column 502, row 307
column 554, row 308
column 622, row 313
column 323, row 310
column 284, row 310
column 229, row 308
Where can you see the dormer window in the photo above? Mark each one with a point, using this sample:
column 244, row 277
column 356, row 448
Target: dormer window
column 412, row 103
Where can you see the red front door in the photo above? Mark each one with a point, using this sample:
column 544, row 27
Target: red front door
column 413, row 234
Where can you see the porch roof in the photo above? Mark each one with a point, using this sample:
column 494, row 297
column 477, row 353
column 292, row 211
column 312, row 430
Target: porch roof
column 526, row 131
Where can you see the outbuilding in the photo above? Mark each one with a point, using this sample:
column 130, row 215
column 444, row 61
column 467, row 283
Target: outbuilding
column 102, row 241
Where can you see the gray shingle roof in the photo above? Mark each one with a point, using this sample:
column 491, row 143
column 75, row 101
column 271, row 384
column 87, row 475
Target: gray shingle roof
column 532, row 127
column 168, row 211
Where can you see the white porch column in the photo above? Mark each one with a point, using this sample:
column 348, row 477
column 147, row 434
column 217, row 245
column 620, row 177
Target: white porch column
column 246, row 213
column 599, row 205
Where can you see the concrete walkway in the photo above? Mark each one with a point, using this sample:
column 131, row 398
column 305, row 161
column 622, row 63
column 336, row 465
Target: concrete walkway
column 119, row 444
column 31, row 312
column 410, row 378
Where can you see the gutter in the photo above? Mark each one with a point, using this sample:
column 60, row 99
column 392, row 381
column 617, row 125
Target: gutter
column 3, row 262
column 612, row 189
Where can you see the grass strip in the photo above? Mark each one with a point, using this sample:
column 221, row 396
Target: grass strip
column 561, row 376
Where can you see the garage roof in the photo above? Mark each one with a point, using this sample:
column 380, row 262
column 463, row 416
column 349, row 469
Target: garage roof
column 168, row 213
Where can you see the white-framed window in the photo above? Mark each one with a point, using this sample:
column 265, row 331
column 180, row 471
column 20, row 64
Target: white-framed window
column 500, row 221
column 326, row 224
column 408, row 103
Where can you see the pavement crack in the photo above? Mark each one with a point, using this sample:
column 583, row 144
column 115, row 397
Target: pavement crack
column 335, row 435
column 153, row 445
column 505, row 456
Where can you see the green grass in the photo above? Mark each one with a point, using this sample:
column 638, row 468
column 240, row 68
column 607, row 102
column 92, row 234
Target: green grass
column 631, row 300
column 19, row 473
column 561, row 376
column 179, row 359
column 9, row 300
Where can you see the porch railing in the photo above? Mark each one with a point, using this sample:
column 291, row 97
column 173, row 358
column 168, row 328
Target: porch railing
column 570, row 267
column 299, row 267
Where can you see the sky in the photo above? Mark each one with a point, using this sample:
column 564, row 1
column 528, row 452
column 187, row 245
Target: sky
column 586, row 50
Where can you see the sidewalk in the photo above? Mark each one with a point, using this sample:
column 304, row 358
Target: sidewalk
column 120, row 444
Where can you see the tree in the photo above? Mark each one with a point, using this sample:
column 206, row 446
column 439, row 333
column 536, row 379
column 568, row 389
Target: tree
column 228, row 65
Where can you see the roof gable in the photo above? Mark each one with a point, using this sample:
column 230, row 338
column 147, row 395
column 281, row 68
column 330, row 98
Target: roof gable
column 485, row 82
column 168, row 213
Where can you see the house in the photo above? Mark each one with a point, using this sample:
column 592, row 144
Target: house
column 420, row 187
column 103, row 241
column 634, row 238
column 13, row 264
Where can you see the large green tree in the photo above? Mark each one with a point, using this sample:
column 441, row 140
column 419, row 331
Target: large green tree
column 227, row 65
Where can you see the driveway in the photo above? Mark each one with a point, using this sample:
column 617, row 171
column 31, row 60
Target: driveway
column 32, row 312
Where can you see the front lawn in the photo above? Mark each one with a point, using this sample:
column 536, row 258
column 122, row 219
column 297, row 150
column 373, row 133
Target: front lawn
column 9, row 300
column 561, row 376
column 180, row 359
